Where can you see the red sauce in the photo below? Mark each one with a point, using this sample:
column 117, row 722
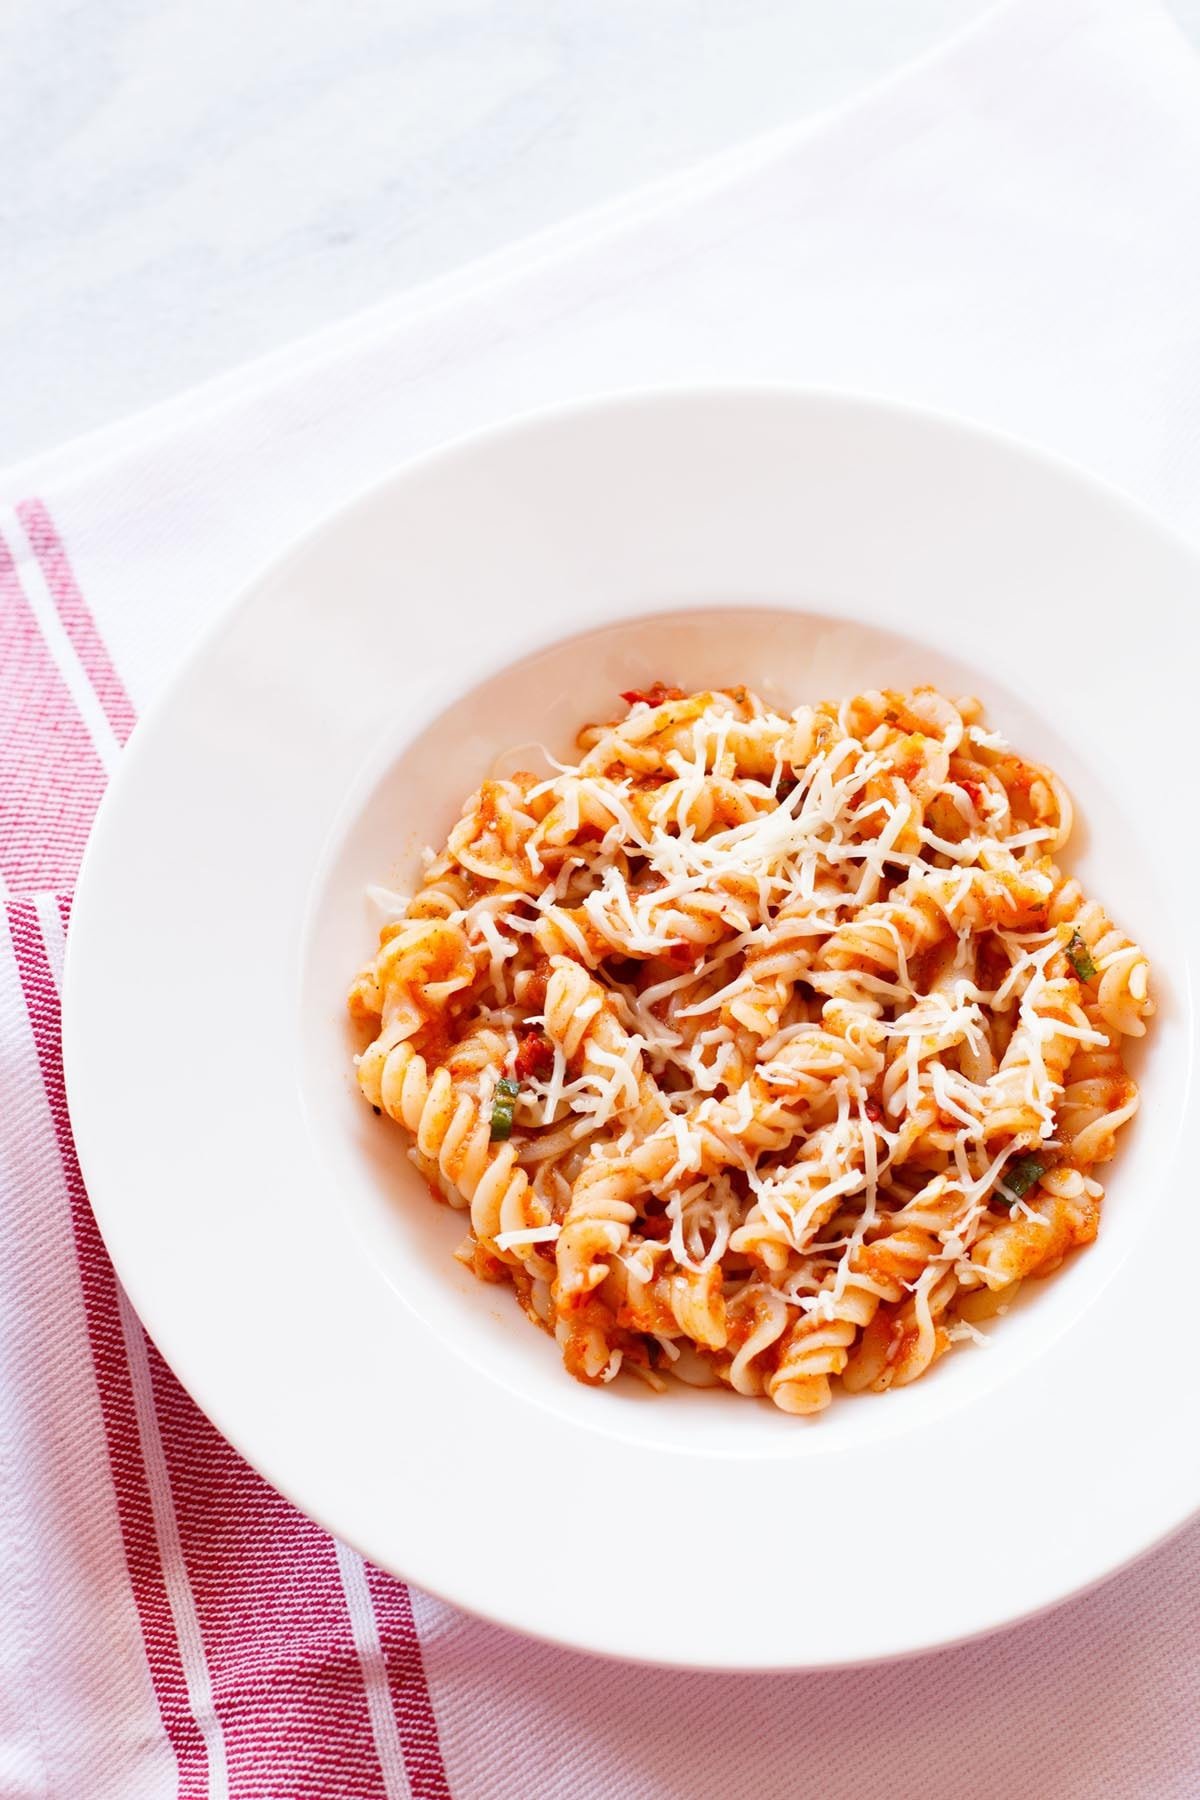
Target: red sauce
column 686, row 955
column 654, row 1223
column 657, row 695
column 535, row 1056
column 535, row 993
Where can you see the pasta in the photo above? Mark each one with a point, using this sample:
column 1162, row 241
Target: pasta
column 773, row 1051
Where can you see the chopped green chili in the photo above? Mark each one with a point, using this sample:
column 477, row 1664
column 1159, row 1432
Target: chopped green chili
column 1080, row 958
column 1020, row 1177
column 504, row 1100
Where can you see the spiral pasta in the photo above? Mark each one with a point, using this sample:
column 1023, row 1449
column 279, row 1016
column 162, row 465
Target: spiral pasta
column 769, row 1050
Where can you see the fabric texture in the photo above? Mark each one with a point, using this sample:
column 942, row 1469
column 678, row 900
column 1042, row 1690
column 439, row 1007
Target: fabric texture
column 1009, row 230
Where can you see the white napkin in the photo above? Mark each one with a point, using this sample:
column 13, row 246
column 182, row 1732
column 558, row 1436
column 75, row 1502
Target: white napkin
column 1009, row 230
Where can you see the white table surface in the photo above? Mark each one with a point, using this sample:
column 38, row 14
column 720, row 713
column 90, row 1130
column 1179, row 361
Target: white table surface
column 188, row 183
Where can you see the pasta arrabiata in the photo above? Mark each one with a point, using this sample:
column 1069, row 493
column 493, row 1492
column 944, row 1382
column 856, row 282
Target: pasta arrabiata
column 764, row 1049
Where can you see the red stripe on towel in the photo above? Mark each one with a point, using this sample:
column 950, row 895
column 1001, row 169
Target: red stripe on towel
column 408, row 1686
column 78, row 622
column 281, row 1654
column 112, row 1372
column 53, row 778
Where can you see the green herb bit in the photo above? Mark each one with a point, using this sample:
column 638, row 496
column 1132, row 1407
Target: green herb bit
column 1018, row 1179
column 1080, row 958
column 504, row 1101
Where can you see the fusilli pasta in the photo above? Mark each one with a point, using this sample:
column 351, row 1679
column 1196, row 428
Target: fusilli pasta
column 769, row 1050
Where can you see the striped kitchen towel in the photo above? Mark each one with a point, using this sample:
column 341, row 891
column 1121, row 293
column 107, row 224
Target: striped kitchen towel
column 1011, row 230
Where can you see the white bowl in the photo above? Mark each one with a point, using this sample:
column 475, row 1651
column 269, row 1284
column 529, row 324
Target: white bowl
column 271, row 1232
